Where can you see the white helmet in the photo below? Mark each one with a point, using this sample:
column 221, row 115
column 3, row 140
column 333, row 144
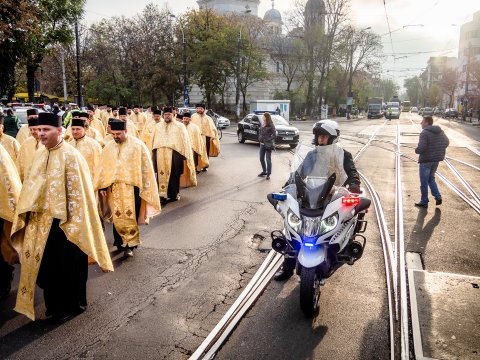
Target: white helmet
column 326, row 127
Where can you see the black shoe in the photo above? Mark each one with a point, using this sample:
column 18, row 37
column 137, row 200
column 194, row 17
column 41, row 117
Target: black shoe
column 205, row 169
column 284, row 273
column 268, row 177
column 262, row 174
column 438, row 201
column 128, row 252
column 420, row 205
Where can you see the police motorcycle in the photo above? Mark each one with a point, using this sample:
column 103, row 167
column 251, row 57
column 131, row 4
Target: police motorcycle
column 323, row 221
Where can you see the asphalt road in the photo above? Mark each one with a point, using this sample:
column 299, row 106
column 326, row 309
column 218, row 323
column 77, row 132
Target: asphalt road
column 199, row 253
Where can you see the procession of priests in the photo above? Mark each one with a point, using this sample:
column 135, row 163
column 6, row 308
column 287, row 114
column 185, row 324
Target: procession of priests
column 63, row 179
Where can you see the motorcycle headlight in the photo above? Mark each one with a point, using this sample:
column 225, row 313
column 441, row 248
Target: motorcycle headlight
column 329, row 224
column 294, row 221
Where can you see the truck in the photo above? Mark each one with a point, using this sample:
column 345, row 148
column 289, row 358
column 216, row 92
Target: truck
column 375, row 108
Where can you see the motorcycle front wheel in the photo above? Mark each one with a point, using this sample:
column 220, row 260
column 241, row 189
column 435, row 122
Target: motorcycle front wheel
column 309, row 291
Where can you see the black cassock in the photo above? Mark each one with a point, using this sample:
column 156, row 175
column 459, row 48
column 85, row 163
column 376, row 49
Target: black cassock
column 6, row 272
column 63, row 274
column 175, row 172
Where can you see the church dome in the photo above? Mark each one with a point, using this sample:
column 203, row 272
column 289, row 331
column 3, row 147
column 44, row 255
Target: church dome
column 273, row 15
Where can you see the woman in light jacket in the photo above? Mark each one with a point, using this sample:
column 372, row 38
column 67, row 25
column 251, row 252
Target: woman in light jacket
column 266, row 137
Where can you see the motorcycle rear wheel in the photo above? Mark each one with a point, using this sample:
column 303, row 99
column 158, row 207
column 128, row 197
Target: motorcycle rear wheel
column 309, row 291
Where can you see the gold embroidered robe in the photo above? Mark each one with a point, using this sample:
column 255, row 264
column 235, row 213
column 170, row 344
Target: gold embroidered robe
column 90, row 150
column 10, row 186
column 96, row 124
column 148, row 133
column 139, row 120
column 122, row 167
column 91, row 132
column 23, row 134
column 25, row 155
column 207, row 128
column 11, row 145
column 57, row 186
column 198, row 147
column 168, row 137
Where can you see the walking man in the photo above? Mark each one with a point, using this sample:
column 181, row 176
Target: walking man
column 127, row 185
column 56, row 227
column 171, row 146
column 431, row 149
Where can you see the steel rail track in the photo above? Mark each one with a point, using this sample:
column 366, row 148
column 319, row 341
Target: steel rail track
column 400, row 253
column 247, row 298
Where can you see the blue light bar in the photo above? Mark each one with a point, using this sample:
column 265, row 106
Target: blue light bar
column 279, row 196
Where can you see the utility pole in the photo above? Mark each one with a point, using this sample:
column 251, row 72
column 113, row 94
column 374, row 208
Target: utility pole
column 79, row 82
column 64, row 78
column 465, row 97
column 237, row 92
column 186, row 99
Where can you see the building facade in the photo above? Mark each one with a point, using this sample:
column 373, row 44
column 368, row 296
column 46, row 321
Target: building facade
column 262, row 90
column 468, row 51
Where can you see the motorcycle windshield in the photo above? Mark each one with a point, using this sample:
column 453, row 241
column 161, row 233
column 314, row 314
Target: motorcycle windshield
column 314, row 170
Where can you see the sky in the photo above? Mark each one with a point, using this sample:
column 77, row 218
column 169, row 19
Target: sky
column 429, row 26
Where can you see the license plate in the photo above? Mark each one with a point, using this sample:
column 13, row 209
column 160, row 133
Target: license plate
column 288, row 138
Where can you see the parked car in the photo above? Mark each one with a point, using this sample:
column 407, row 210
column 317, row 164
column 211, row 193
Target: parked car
column 450, row 113
column 21, row 113
column 248, row 129
column 438, row 111
column 414, row 110
column 428, row 111
column 221, row 121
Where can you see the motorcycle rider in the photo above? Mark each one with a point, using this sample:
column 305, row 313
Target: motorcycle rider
column 325, row 133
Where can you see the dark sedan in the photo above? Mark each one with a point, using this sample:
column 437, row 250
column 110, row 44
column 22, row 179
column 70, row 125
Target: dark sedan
column 248, row 129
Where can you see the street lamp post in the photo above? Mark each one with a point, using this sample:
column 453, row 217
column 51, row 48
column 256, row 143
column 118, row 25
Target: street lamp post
column 79, row 81
column 237, row 90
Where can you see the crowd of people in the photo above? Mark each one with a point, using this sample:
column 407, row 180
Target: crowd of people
column 64, row 176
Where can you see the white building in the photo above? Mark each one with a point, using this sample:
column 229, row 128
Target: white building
column 469, row 47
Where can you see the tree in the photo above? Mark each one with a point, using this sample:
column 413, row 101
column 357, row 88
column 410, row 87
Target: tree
column 413, row 90
column 53, row 25
column 252, row 65
column 434, row 95
column 388, row 88
column 211, row 54
column 289, row 53
column 449, row 84
column 17, row 21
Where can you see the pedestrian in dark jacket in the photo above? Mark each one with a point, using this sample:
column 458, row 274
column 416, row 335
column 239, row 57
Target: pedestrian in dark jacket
column 266, row 137
column 11, row 124
column 431, row 149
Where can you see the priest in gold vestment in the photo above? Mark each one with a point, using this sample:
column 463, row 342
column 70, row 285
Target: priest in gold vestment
column 94, row 122
column 28, row 148
column 171, row 146
column 88, row 147
column 56, row 227
column 138, row 118
column 127, row 186
column 10, row 187
column 25, row 132
column 209, row 134
column 198, row 146
column 90, row 131
column 149, row 129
